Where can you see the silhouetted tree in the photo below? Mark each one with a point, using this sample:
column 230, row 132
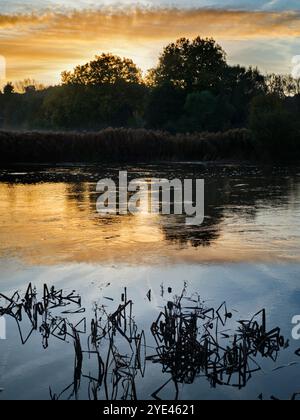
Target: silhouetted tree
column 106, row 68
column 192, row 89
column 240, row 86
column 192, row 65
column 282, row 85
column 8, row 89
column 165, row 106
column 274, row 127
column 93, row 107
column 205, row 111
column 28, row 85
column 200, row 109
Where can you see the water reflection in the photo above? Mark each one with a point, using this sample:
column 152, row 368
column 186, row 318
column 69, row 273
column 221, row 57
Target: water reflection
column 142, row 344
column 192, row 340
column 49, row 215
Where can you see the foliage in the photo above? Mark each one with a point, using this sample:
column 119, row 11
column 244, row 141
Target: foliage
column 8, row 89
column 28, row 85
column 164, row 106
column 191, row 90
column 106, row 68
column 205, row 111
column 192, row 65
column 274, row 127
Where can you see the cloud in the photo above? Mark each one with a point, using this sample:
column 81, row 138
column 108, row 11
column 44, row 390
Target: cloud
column 167, row 22
column 43, row 44
column 21, row 5
column 2, row 68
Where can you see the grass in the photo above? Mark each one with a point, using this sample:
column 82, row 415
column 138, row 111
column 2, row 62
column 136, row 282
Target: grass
column 121, row 145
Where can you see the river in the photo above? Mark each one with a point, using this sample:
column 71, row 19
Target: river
column 246, row 253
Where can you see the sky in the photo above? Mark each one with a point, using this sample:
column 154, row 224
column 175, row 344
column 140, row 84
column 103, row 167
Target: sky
column 40, row 39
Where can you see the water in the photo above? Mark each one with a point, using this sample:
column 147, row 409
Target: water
column 246, row 253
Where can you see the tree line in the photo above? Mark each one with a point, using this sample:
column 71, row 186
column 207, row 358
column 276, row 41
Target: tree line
column 192, row 89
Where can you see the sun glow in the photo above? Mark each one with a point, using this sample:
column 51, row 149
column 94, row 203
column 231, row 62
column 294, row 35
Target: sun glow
column 42, row 45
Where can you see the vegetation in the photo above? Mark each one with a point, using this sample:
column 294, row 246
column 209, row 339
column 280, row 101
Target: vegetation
column 115, row 144
column 191, row 90
column 105, row 69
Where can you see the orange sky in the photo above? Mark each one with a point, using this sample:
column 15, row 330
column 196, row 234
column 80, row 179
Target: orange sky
column 42, row 45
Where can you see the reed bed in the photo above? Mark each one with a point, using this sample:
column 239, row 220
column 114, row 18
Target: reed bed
column 122, row 144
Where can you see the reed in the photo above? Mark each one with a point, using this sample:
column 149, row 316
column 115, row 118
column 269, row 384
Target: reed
column 120, row 144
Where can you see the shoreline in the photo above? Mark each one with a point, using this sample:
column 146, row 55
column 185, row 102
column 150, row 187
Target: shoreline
column 121, row 145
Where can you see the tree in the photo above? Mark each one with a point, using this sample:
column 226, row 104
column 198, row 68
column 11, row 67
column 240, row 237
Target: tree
column 28, row 85
column 192, row 65
column 274, row 127
column 200, row 108
column 93, row 107
column 106, row 68
column 282, row 85
column 276, row 85
column 204, row 111
column 165, row 106
column 241, row 85
column 8, row 89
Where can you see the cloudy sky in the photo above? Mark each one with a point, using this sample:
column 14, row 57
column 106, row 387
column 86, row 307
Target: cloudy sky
column 40, row 39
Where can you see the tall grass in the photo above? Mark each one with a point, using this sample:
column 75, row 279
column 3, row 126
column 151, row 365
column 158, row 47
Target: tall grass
column 121, row 145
